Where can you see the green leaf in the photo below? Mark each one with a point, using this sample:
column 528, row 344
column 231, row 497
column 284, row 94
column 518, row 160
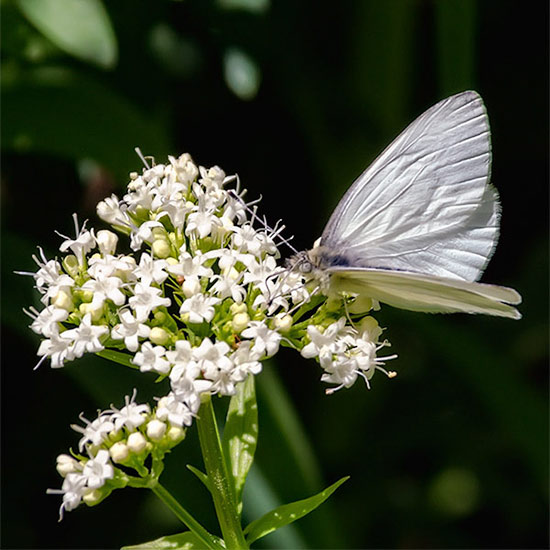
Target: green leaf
column 287, row 513
column 206, row 539
column 117, row 357
column 81, row 28
column 181, row 541
column 240, row 434
column 201, row 475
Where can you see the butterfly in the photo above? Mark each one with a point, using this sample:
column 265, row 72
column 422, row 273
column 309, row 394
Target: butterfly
column 419, row 225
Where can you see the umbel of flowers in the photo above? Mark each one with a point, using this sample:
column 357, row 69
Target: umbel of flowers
column 195, row 294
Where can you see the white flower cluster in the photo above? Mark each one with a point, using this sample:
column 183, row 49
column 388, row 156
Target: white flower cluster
column 199, row 299
column 346, row 352
column 127, row 437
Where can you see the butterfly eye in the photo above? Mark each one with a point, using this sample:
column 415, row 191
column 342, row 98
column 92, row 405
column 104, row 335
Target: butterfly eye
column 306, row 267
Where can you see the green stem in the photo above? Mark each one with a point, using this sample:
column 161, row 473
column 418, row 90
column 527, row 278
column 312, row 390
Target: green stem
column 186, row 518
column 220, row 477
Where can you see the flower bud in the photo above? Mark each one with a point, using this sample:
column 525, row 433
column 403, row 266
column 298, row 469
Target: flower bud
column 119, row 452
column 66, row 464
column 369, row 327
column 238, row 308
column 142, row 212
column 175, row 433
column 159, row 316
column 70, row 264
column 63, row 300
column 156, row 430
column 92, row 497
column 159, row 233
column 159, row 336
column 283, row 322
column 136, row 442
column 232, row 273
column 95, row 313
column 106, row 241
column 191, row 286
column 361, row 304
column 85, row 295
column 161, row 248
column 240, row 322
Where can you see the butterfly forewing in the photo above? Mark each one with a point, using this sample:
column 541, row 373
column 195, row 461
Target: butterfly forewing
column 424, row 204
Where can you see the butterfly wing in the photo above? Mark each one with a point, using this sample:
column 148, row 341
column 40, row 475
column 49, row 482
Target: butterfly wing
column 427, row 293
column 424, row 204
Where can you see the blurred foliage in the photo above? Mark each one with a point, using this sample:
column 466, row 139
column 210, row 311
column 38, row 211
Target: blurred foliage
column 298, row 97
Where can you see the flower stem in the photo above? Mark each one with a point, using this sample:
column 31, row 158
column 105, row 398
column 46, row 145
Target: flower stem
column 220, row 477
column 186, row 518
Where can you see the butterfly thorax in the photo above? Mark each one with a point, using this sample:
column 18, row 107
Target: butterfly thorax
column 312, row 264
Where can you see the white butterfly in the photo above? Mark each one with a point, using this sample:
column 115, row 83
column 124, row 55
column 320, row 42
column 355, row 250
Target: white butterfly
column 418, row 226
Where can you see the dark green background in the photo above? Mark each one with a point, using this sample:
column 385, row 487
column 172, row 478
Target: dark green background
column 454, row 451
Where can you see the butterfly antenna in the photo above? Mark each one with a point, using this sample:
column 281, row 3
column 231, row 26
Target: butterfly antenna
column 272, row 232
column 311, row 294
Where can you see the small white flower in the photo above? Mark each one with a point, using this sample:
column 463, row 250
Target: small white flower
column 190, row 266
column 132, row 415
column 47, row 321
column 212, row 178
column 106, row 241
column 199, row 308
column 94, row 432
column 188, row 390
column 151, row 358
column 57, row 349
column 246, row 239
column 82, row 244
column 183, row 361
column 143, row 233
column 85, row 337
column 140, row 195
column 201, row 221
column 110, row 211
column 74, row 486
column 174, row 411
column 324, row 344
column 130, row 329
column 98, row 469
column 150, row 270
column 145, row 299
column 50, row 280
column 105, row 289
column 266, row 341
column 101, row 267
column 226, row 286
column 185, row 169
column 246, row 361
column 342, row 371
column 211, row 357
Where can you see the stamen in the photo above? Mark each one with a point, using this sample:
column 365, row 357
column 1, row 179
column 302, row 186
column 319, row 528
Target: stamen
column 142, row 158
